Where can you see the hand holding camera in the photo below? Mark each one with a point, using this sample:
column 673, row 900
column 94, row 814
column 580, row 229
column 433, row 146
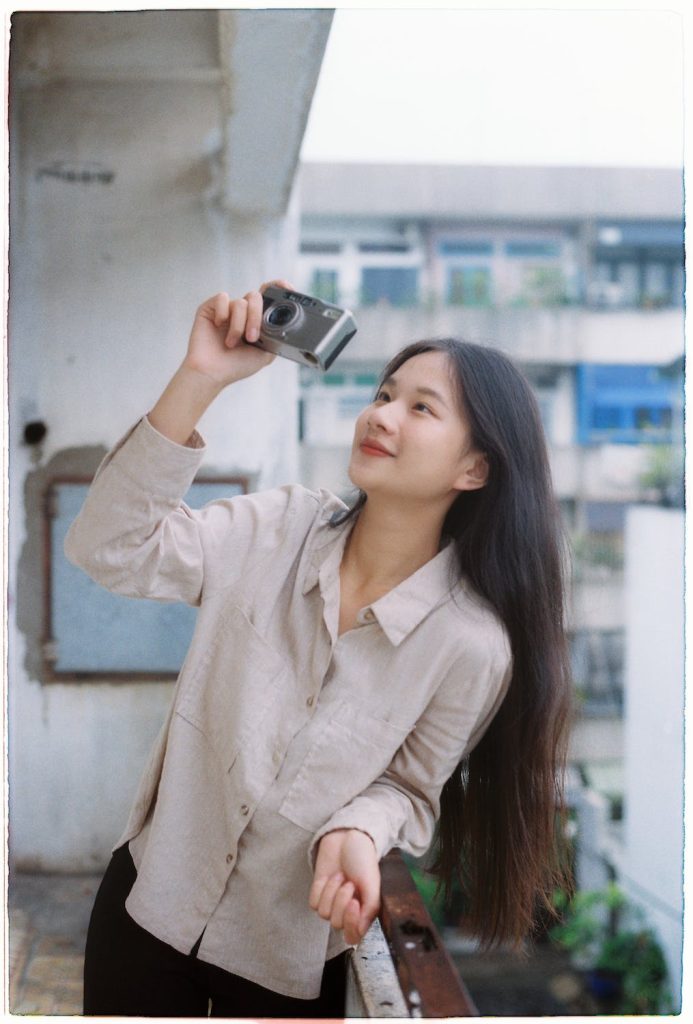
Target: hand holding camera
column 234, row 338
column 277, row 320
column 217, row 348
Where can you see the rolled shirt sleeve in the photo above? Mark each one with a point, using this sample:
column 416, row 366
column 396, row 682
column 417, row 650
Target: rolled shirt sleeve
column 401, row 807
column 136, row 536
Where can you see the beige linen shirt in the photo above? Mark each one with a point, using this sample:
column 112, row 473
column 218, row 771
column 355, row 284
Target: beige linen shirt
column 279, row 729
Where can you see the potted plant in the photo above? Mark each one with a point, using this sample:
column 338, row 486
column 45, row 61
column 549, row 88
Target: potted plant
column 619, row 956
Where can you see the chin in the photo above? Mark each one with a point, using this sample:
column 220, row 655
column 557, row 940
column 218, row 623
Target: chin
column 354, row 475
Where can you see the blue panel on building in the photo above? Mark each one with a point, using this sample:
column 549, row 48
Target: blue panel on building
column 536, row 250
column 624, row 404
column 465, row 248
column 97, row 632
column 648, row 233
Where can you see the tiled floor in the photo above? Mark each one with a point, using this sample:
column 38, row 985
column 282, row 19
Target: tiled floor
column 48, row 917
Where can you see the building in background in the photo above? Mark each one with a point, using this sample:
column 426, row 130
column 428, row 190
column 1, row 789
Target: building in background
column 153, row 157
column 578, row 274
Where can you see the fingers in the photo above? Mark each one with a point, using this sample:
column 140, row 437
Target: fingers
column 340, row 903
column 253, row 316
column 216, row 308
column 335, row 901
column 330, row 898
column 328, row 894
column 352, row 923
column 278, row 283
column 370, row 906
column 346, row 884
column 243, row 315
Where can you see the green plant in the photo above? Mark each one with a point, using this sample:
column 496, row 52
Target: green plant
column 426, row 884
column 638, row 958
column 585, row 923
column 607, row 936
column 663, row 473
column 597, row 549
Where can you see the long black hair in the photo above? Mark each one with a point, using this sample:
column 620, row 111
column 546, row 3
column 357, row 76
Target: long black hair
column 500, row 830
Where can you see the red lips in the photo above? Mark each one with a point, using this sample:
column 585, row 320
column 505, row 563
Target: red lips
column 371, row 447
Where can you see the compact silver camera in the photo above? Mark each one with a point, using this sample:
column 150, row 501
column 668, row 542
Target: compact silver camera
column 303, row 328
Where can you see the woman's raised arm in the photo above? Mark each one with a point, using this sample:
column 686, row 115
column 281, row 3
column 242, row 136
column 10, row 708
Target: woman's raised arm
column 216, row 357
column 134, row 535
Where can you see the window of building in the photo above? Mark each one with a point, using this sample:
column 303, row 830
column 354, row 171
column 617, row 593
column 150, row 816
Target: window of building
column 546, row 400
column 654, row 417
column 597, row 661
column 532, row 273
column 608, row 417
column 646, row 261
column 468, row 271
column 324, row 284
column 628, row 279
column 321, row 248
column 397, row 286
column 657, row 284
column 533, row 250
column 461, row 247
column 469, row 286
column 384, row 247
column 543, row 285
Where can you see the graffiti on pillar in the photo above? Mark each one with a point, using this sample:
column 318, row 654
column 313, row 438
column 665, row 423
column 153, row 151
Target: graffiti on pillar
column 82, row 172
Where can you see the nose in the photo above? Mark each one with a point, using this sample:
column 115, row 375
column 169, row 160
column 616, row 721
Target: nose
column 382, row 417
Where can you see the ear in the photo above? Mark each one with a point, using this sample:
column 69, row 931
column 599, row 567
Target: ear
column 474, row 474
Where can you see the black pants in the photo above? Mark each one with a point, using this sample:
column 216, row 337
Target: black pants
column 130, row 973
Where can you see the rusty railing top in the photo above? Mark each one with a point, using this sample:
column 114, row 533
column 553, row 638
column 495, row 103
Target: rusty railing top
column 427, row 975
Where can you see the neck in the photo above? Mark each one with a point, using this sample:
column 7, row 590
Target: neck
column 388, row 543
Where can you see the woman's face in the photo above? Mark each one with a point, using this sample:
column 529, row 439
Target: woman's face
column 413, row 442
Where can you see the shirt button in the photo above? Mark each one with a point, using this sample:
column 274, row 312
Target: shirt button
column 277, row 756
column 244, row 808
column 229, row 858
column 309, row 702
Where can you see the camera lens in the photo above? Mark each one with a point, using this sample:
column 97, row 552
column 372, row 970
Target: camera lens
column 280, row 316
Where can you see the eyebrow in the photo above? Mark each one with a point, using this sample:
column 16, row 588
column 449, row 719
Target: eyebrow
column 419, row 390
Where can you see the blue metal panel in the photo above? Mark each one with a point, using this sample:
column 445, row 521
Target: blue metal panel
column 646, row 233
column 533, row 250
column 97, row 632
column 624, row 404
column 461, row 247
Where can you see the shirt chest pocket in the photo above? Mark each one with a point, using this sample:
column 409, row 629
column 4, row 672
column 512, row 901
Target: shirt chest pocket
column 350, row 751
column 233, row 685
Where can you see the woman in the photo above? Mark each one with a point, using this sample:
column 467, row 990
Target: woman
column 352, row 671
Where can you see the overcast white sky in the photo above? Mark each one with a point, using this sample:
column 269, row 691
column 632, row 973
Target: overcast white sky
column 571, row 87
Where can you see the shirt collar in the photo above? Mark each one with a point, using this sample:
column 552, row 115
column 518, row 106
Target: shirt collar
column 400, row 610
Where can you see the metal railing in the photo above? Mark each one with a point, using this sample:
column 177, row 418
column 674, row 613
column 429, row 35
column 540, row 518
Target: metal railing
column 402, row 967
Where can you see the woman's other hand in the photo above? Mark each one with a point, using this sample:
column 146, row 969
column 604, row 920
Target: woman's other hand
column 222, row 326
column 346, row 882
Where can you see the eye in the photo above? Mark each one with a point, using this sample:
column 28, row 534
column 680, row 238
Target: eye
column 382, row 396
column 422, row 405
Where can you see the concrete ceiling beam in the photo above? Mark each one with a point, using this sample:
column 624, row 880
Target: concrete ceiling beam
column 270, row 63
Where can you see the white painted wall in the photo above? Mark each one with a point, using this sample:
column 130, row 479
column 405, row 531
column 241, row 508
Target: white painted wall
column 653, row 730
column 105, row 279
